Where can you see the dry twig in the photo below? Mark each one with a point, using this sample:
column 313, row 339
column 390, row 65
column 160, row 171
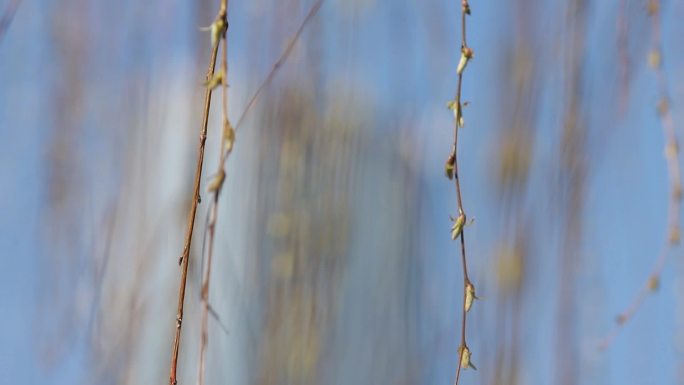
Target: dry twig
column 217, row 182
column 283, row 57
column 193, row 208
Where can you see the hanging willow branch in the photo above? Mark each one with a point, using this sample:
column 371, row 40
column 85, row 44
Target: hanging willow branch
column 214, row 187
column 451, row 169
column 218, row 30
column 185, row 256
column 655, row 61
column 276, row 66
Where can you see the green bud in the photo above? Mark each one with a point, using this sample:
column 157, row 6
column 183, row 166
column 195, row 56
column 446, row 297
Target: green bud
column 217, row 29
column 457, row 228
column 216, row 80
column 228, row 136
column 449, row 166
column 465, row 358
column 466, row 55
column 217, row 181
column 469, row 296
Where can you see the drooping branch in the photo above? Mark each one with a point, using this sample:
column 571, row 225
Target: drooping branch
column 672, row 238
column 452, row 171
column 215, row 186
column 278, row 64
column 226, row 147
column 185, row 256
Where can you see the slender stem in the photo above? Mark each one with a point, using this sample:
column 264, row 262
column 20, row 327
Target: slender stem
column 224, row 152
column 185, row 256
column 674, row 175
column 276, row 66
column 457, row 181
column 204, row 328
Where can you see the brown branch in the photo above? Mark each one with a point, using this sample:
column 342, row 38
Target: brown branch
column 452, row 168
column 672, row 238
column 283, row 57
column 226, row 146
column 185, row 256
column 215, row 187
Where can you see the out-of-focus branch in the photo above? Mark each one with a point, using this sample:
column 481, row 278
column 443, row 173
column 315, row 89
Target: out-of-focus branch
column 623, row 54
column 655, row 61
column 8, row 16
column 226, row 146
column 283, row 57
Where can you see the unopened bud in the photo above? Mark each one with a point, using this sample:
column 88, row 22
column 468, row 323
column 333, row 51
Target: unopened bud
column 469, row 296
column 216, row 80
column 449, row 166
column 466, row 55
column 228, row 136
column 465, row 358
column 457, row 228
column 217, row 181
column 653, row 283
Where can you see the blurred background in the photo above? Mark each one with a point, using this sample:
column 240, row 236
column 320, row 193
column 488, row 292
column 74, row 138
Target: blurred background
column 334, row 263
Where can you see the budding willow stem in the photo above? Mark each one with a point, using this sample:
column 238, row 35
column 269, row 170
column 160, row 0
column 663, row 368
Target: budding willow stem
column 465, row 9
column 185, row 256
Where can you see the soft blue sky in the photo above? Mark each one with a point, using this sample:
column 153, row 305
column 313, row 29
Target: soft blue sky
column 390, row 51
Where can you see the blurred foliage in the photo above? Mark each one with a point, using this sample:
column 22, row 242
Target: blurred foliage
column 334, row 265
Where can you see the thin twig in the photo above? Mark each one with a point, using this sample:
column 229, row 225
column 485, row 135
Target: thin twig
column 8, row 16
column 452, row 162
column 226, row 146
column 672, row 157
column 185, row 256
column 623, row 54
column 283, row 57
column 215, row 186
column 212, row 311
